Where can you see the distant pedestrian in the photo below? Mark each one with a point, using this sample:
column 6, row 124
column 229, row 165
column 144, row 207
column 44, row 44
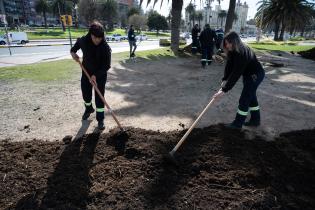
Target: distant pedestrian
column 207, row 39
column 220, row 36
column 195, row 46
column 132, row 41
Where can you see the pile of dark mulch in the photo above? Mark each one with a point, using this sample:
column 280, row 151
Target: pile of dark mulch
column 309, row 54
column 217, row 169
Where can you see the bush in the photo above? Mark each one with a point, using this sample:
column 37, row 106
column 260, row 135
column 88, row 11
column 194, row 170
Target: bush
column 289, row 43
column 167, row 42
column 298, row 38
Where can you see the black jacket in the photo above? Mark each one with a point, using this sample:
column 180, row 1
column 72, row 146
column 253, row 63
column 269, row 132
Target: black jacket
column 207, row 37
column 96, row 59
column 131, row 35
column 238, row 64
column 194, row 32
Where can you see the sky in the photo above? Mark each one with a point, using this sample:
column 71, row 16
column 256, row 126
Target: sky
column 224, row 4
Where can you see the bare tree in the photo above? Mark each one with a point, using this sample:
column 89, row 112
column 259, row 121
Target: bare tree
column 138, row 21
column 87, row 10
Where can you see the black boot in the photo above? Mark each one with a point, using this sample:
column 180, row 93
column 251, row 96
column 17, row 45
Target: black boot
column 254, row 119
column 238, row 122
column 88, row 111
column 100, row 125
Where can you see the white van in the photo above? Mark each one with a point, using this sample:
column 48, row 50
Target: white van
column 14, row 38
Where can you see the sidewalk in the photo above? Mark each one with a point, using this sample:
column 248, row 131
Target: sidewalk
column 53, row 42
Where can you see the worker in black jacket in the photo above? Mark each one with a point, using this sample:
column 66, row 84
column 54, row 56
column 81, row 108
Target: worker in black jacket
column 195, row 39
column 207, row 40
column 242, row 61
column 97, row 61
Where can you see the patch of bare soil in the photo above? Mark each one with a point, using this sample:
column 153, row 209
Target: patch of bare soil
column 217, row 169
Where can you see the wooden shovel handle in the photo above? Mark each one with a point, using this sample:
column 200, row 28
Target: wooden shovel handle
column 101, row 96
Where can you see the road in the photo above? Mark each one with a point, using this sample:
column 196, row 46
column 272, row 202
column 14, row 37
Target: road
column 35, row 54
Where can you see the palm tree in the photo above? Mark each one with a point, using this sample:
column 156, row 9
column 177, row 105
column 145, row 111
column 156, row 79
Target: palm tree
column 176, row 12
column 190, row 9
column 41, row 6
column 221, row 16
column 199, row 16
column 230, row 16
column 282, row 15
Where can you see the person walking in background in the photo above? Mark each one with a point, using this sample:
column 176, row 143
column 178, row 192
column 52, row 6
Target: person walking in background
column 220, row 36
column 132, row 41
column 207, row 40
column 195, row 39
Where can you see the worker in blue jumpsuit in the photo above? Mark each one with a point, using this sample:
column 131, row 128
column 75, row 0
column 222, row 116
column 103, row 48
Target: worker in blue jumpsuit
column 242, row 61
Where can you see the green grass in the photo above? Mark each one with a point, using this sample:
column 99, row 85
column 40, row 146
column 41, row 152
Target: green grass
column 47, row 71
column 147, row 54
column 280, row 47
column 64, row 69
column 153, row 34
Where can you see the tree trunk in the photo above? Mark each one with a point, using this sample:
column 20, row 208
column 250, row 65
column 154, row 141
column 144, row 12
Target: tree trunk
column 302, row 32
column 282, row 32
column 177, row 6
column 230, row 16
column 277, row 27
column 45, row 19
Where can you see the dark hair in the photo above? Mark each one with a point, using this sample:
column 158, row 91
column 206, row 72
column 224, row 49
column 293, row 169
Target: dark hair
column 237, row 44
column 96, row 29
column 207, row 26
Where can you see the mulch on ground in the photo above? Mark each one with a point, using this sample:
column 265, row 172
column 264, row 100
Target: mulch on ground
column 309, row 54
column 217, row 169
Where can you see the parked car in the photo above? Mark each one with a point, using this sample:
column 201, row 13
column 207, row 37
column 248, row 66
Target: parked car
column 142, row 37
column 14, row 38
column 114, row 37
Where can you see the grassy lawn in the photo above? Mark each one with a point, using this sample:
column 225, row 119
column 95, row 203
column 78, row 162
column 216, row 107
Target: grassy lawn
column 280, row 47
column 147, row 54
column 58, row 33
column 47, row 71
column 64, row 69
